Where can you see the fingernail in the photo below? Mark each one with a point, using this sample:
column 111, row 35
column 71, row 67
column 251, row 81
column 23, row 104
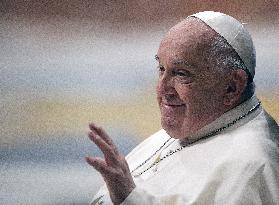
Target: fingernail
column 88, row 160
column 93, row 136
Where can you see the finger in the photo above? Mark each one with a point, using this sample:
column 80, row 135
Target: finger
column 102, row 133
column 105, row 148
column 108, row 150
column 99, row 164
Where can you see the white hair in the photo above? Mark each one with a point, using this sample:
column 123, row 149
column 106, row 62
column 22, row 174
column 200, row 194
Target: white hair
column 225, row 57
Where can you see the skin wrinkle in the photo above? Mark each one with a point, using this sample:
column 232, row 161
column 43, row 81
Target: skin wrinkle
column 182, row 62
column 204, row 95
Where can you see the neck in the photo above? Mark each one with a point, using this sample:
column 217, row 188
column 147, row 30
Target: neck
column 236, row 116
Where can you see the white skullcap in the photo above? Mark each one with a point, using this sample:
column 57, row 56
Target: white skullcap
column 234, row 33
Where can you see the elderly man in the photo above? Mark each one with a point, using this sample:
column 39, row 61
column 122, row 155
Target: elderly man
column 217, row 145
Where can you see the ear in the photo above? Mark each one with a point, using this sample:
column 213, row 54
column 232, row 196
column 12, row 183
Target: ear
column 236, row 86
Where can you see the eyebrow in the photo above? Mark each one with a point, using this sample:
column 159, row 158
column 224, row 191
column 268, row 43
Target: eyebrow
column 178, row 62
column 156, row 57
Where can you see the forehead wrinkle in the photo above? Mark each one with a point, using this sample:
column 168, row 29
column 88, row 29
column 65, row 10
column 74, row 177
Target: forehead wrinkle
column 182, row 62
column 176, row 62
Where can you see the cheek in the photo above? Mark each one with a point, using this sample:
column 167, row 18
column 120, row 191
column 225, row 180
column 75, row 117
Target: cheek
column 195, row 98
column 205, row 102
column 157, row 87
column 158, row 92
column 185, row 92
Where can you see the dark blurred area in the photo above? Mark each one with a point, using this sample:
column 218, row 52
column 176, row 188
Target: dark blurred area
column 138, row 12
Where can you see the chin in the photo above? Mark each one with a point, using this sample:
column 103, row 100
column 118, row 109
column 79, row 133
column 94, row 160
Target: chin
column 175, row 134
column 173, row 128
column 176, row 129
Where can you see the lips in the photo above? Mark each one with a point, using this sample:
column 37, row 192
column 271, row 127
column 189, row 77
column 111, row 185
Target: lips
column 171, row 110
column 173, row 102
column 173, row 105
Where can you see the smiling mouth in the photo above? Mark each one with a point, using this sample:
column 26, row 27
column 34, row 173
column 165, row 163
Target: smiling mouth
column 173, row 105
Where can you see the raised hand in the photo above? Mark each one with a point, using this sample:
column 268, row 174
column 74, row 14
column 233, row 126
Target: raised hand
column 113, row 168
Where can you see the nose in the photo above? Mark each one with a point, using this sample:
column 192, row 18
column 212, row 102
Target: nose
column 166, row 84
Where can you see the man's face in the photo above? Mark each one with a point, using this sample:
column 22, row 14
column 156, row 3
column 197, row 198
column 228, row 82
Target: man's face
column 190, row 89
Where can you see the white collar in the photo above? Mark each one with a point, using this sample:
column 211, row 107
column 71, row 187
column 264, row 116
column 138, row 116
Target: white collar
column 236, row 116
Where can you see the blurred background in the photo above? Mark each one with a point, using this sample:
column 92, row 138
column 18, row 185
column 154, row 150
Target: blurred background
column 64, row 63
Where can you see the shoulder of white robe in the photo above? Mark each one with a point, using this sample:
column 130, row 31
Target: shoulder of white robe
column 235, row 34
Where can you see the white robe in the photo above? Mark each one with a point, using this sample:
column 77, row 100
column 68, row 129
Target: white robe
column 239, row 165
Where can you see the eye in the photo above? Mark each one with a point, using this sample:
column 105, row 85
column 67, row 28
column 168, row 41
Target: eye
column 182, row 73
column 183, row 76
